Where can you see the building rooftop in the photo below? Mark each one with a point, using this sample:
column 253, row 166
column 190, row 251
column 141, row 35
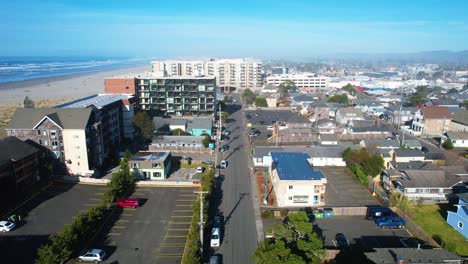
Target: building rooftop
column 412, row 255
column 66, row 118
column 157, row 75
column 380, row 128
column 436, row 112
column 150, row 156
column 434, row 156
column 178, row 140
column 444, row 102
column 294, row 166
column 461, row 117
column 412, row 165
column 350, row 112
column 409, row 153
column 381, row 143
column 201, row 123
column 15, row 149
column 97, row 100
column 457, row 135
column 304, row 98
column 412, row 143
column 425, row 178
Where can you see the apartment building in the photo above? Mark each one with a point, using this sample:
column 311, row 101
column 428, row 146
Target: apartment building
column 74, row 136
column 230, row 74
column 310, row 81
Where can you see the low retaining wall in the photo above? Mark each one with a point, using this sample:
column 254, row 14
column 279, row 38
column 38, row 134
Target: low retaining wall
column 78, row 179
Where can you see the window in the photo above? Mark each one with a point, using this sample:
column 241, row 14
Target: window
column 45, row 143
column 40, row 141
column 44, row 133
column 78, row 163
column 53, row 132
column 290, row 187
column 156, row 165
column 75, row 136
column 300, row 199
column 135, row 165
column 460, row 225
column 290, row 198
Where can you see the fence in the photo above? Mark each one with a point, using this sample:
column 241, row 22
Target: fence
column 338, row 211
column 165, row 183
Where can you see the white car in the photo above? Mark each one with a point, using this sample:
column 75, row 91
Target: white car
column 6, row 226
column 223, row 164
column 199, row 170
column 93, row 255
column 215, row 237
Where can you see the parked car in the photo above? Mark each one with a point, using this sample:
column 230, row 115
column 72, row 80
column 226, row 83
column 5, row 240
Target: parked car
column 269, row 127
column 208, row 162
column 128, row 202
column 215, row 237
column 223, row 164
column 92, row 255
column 390, row 221
column 199, row 170
column 6, row 226
column 342, row 242
column 225, row 147
column 226, row 132
column 378, row 212
column 425, row 149
column 225, row 138
column 248, row 116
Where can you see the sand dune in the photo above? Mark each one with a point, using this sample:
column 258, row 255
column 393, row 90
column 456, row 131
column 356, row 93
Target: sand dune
column 73, row 86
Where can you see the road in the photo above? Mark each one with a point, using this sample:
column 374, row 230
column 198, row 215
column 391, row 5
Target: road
column 234, row 198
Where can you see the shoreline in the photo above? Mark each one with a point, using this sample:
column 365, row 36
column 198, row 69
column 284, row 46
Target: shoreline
column 67, row 86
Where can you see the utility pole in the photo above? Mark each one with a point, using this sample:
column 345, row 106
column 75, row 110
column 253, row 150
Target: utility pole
column 201, row 223
column 401, row 119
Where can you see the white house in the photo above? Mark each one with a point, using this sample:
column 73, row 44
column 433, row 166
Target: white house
column 459, row 139
column 344, row 115
column 295, row 181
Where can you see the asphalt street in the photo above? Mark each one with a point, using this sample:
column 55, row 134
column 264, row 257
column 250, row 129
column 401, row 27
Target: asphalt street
column 234, row 196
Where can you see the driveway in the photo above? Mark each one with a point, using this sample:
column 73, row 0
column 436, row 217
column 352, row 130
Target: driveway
column 343, row 190
column 156, row 232
column 44, row 215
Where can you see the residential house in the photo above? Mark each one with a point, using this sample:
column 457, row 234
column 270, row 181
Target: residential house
column 416, row 165
column 379, row 144
column 458, row 139
column 272, row 100
column 407, row 155
column 461, row 174
column 412, row 144
column 371, row 132
column 328, row 139
column 19, row 169
column 178, row 123
column 431, row 121
column 327, row 126
column 303, row 99
column 199, row 126
column 371, row 107
column 399, row 115
column 443, row 102
column 347, row 114
column 295, row 181
column 459, row 219
column 412, row 256
column 269, row 89
column 177, row 143
column 437, row 158
column 73, row 135
column 150, row 165
column 320, row 110
column 459, row 121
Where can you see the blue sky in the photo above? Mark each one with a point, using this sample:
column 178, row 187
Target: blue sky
column 277, row 29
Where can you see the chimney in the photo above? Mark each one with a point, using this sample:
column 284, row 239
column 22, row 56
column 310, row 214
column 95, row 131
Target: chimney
column 400, row 260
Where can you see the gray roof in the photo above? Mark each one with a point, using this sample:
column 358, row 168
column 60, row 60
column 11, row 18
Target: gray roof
column 328, row 137
column 444, row 102
column 150, row 156
column 409, row 153
column 394, row 108
column 384, row 152
column 320, row 104
column 369, row 103
column 461, row 117
column 313, row 151
column 412, row 255
column 324, row 122
column 362, row 123
column 347, row 144
column 382, row 143
column 202, row 123
column 97, row 100
column 453, row 135
column 15, row 149
column 425, row 178
column 381, row 128
column 67, row 118
column 178, row 140
column 434, row 156
column 161, row 122
column 412, row 165
column 455, row 170
column 412, row 143
column 349, row 111
column 177, row 122
column 304, row 98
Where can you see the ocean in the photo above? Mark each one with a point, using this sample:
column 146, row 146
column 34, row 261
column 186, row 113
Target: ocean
column 14, row 69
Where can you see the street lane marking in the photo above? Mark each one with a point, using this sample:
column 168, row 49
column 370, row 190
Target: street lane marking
column 131, row 209
column 191, row 195
column 138, row 194
column 114, row 234
column 178, row 229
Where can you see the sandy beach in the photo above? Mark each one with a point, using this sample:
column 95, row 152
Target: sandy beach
column 71, row 86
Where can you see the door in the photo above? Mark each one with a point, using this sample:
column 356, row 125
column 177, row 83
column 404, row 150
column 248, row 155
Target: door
column 315, row 201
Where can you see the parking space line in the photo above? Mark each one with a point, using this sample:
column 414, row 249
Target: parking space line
column 182, row 211
column 123, row 221
column 131, row 209
column 174, row 236
column 172, row 244
column 185, row 200
column 114, row 234
column 169, row 255
column 181, row 216
column 178, row 229
column 182, row 205
column 180, row 223
column 95, row 199
column 118, row 227
column 191, row 195
column 139, row 194
column 127, row 214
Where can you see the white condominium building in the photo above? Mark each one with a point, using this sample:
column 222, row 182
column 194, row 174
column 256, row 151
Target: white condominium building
column 230, row 73
column 300, row 80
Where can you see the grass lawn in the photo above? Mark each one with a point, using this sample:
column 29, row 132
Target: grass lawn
column 432, row 218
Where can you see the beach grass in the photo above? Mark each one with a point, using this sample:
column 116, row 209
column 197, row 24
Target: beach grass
column 7, row 111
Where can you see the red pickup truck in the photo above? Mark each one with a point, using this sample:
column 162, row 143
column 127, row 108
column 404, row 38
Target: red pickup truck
column 129, row 202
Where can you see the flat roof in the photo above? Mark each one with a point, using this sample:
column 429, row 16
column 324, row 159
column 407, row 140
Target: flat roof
column 150, row 156
column 98, row 100
column 294, row 166
column 156, row 75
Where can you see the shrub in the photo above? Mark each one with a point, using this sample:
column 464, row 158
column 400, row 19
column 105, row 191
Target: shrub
column 447, row 144
column 268, row 214
column 284, row 212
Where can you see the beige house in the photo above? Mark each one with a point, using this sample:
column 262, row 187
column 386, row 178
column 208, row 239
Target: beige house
column 151, row 165
column 295, row 181
column 431, row 121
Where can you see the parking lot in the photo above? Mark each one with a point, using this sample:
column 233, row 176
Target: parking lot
column 46, row 214
column 345, row 190
column 156, row 232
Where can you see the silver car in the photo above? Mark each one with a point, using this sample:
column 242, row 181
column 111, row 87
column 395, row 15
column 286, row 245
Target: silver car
column 93, row 255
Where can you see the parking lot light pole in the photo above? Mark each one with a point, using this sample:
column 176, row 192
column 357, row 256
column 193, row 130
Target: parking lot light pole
column 201, row 223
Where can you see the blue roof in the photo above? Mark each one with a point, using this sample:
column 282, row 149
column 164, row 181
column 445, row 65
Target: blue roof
column 294, row 166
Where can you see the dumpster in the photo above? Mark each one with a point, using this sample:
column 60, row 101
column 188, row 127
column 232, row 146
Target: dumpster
column 328, row 212
column 318, row 213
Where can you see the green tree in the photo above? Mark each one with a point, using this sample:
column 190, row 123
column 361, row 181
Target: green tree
column 206, row 140
column 224, row 117
column 180, row 132
column 272, row 252
column 349, row 88
column 248, row 96
column 400, row 200
column 447, row 144
column 416, row 100
column 260, row 102
column 339, row 98
column 453, row 91
column 374, row 165
column 144, row 124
